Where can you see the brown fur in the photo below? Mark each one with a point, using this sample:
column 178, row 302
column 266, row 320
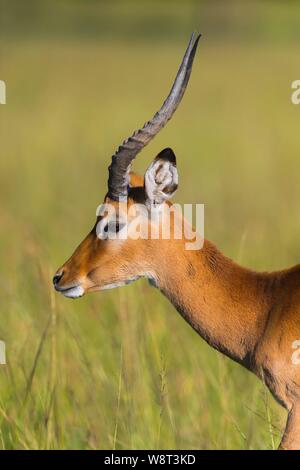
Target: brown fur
column 251, row 317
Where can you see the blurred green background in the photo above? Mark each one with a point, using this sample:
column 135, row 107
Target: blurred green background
column 122, row 369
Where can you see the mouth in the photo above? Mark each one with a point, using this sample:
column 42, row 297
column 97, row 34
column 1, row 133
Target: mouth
column 71, row 292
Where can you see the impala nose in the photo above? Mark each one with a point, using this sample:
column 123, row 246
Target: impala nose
column 57, row 278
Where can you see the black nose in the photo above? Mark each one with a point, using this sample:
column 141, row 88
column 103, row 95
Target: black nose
column 57, row 278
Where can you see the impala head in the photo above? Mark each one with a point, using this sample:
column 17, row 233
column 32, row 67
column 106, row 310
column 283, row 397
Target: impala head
column 112, row 254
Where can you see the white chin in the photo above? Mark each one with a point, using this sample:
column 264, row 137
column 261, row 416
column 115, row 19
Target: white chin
column 74, row 292
column 119, row 283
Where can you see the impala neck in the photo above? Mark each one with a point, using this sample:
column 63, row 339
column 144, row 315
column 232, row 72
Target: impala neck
column 225, row 303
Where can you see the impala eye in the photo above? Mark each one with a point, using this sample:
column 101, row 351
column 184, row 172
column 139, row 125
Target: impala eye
column 109, row 229
column 113, row 227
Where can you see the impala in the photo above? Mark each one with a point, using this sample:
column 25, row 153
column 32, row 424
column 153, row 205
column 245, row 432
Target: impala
column 251, row 317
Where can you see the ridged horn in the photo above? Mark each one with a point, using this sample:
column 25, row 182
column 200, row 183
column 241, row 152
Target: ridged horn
column 118, row 179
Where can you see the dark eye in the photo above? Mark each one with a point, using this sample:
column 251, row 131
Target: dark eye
column 113, row 227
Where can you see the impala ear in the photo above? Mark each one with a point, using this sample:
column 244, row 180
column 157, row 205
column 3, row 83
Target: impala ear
column 161, row 178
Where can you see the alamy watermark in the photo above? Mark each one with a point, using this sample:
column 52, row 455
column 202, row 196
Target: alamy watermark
column 2, row 101
column 2, row 353
column 163, row 222
column 295, row 97
column 295, row 357
column 2, row 92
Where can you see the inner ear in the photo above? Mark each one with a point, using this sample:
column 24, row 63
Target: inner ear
column 161, row 178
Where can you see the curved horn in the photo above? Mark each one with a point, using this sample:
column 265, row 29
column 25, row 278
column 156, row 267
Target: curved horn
column 122, row 159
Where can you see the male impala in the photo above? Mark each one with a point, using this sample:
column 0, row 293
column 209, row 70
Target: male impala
column 254, row 318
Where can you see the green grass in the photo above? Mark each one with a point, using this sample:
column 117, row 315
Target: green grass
column 122, row 369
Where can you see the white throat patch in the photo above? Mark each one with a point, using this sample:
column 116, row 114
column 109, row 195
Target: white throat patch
column 73, row 292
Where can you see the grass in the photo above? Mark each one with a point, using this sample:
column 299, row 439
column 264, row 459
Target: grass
column 122, row 369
